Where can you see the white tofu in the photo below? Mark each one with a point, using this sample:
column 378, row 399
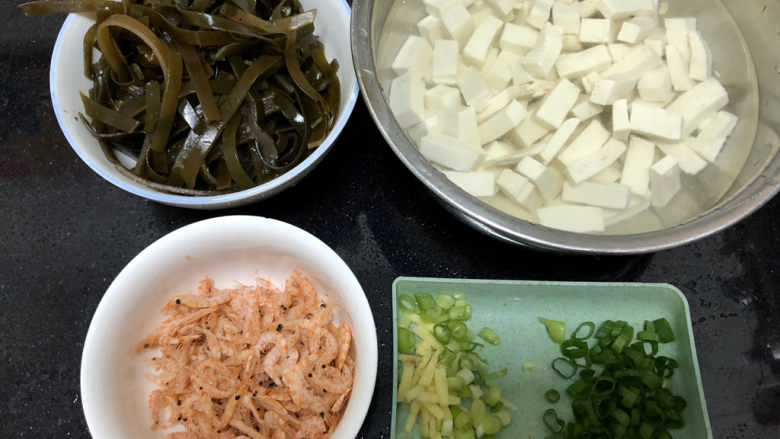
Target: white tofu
column 407, row 99
column 713, row 134
column 450, row 152
column 656, row 41
column 619, row 9
column 571, row 43
column 567, row 16
column 619, row 51
column 429, row 125
column 677, row 34
column 497, row 151
column 701, row 57
column 636, row 29
column 610, row 89
column 636, row 205
column 502, row 122
column 590, row 140
column 437, row 8
column 597, row 31
column 458, row 23
column 539, row 13
column 607, row 195
column 497, row 103
column 621, row 126
column 518, row 188
column 473, row 87
column 699, row 103
column 514, row 158
column 586, row 167
column 546, row 179
column 469, row 128
column 664, row 181
column 559, row 101
column 589, row 81
column 577, row 219
column 504, row 7
column 528, row 132
column 678, row 69
column 578, row 64
column 635, row 65
column 518, row 38
column 688, row 161
column 636, row 166
column 481, row 40
column 480, row 11
column 655, row 122
column 588, row 8
column 540, row 60
column 490, row 58
column 656, row 86
column 441, row 97
column 558, row 140
column 520, row 75
column 500, row 72
column 478, row 184
column 584, row 109
column 609, row 175
column 445, row 62
column 430, row 28
column 414, row 56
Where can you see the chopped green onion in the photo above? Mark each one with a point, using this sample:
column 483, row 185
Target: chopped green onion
column 406, row 341
column 574, row 349
column 496, row 375
column 552, row 395
column 444, row 301
column 552, row 421
column 442, row 333
column 407, row 304
column 589, row 325
column 459, row 330
column 664, row 330
column 425, row 301
column 564, row 367
column 489, row 336
column 491, row 424
column 556, row 329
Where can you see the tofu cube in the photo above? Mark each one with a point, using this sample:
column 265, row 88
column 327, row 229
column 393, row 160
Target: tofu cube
column 589, row 81
column 539, row 13
column 656, row 86
column 546, row 179
column 438, row 8
column 619, row 51
column 450, row 152
column 634, row 65
column 699, row 103
column 584, row 109
column 407, row 99
column 473, row 87
column 590, row 140
column 520, row 75
column 441, row 97
column 640, row 157
column 589, row 165
column 636, row 29
column 445, row 62
column 713, row 134
column 497, row 103
column 678, row 69
column 458, row 23
column 655, row 122
column 497, row 151
column 500, row 71
column 677, row 34
column 664, row 181
column 619, row 9
column 597, row 31
column 559, row 101
column 572, row 43
column 481, row 40
column 621, row 127
column 478, row 184
column 528, row 132
column 502, row 122
column 541, row 59
column 609, row 175
column 430, row 28
column 607, row 195
column 505, row 8
column 610, row 89
column 567, row 16
column 578, row 64
column 518, row 38
column 414, row 56
column 558, row 140
column 688, row 161
column 701, row 57
column 577, row 219
column 656, row 41
column 518, row 188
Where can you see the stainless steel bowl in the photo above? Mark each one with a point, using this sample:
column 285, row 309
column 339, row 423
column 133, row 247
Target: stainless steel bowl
column 753, row 184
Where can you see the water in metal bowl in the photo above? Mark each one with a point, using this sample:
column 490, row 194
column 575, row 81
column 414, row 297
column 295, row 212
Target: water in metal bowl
column 741, row 178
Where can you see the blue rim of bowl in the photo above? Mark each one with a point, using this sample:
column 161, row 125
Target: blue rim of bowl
column 372, row 354
column 264, row 190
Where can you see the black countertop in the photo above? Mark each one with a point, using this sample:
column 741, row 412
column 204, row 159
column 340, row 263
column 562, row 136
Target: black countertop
column 67, row 233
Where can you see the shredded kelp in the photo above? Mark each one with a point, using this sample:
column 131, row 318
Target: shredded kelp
column 208, row 96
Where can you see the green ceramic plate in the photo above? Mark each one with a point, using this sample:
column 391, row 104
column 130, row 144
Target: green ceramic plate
column 512, row 308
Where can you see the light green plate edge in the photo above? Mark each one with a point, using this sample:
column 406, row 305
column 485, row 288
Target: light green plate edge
column 512, row 309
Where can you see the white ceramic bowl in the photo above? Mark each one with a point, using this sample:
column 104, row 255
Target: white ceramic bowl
column 228, row 249
column 66, row 80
